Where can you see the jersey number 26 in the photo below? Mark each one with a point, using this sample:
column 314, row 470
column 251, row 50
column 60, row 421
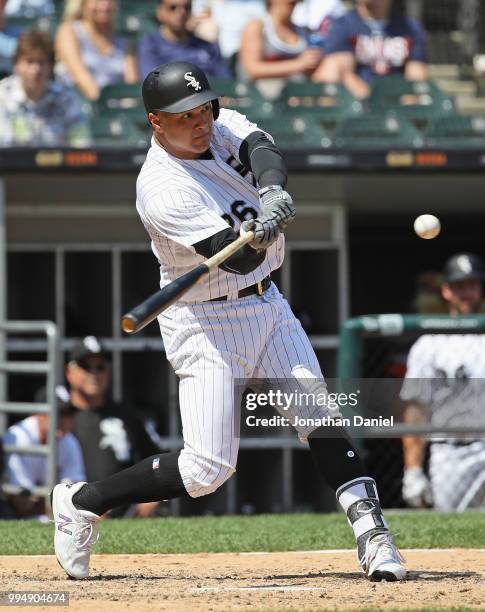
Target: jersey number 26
column 241, row 211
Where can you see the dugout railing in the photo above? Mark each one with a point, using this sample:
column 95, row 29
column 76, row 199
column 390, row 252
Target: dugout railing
column 49, row 368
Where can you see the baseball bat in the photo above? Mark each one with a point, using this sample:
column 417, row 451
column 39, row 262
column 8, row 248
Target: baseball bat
column 143, row 314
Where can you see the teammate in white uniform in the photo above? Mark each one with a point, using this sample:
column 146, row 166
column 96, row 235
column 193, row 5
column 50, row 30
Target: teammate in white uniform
column 444, row 386
column 195, row 190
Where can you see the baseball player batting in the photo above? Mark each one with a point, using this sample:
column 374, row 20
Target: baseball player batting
column 211, row 174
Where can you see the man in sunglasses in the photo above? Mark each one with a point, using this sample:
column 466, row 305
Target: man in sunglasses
column 110, row 435
column 174, row 41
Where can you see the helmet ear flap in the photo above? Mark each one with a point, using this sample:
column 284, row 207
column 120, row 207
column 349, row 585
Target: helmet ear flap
column 215, row 108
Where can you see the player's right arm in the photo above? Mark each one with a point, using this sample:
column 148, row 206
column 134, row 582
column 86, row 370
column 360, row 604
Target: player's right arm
column 183, row 217
column 416, row 489
column 413, row 446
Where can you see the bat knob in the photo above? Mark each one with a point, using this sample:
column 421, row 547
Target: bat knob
column 128, row 324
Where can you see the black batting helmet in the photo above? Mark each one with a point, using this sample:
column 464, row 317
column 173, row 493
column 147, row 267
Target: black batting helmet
column 177, row 87
column 463, row 266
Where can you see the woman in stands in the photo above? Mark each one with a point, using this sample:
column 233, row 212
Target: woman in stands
column 89, row 52
column 272, row 47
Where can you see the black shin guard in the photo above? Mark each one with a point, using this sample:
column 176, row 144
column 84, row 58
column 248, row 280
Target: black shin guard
column 155, row 478
column 334, row 455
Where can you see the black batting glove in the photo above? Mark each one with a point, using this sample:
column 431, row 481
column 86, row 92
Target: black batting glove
column 277, row 204
column 266, row 231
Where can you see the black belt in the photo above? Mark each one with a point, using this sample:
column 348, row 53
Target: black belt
column 257, row 289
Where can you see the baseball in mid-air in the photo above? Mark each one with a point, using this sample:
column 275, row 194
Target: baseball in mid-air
column 427, row 226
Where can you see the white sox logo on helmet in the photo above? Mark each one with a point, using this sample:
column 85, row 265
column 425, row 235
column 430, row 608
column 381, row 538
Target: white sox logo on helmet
column 192, row 81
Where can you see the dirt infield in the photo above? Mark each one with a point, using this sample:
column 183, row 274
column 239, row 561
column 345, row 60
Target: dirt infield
column 298, row 580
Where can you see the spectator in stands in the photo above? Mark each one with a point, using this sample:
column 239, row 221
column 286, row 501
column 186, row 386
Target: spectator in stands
column 370, row 42
column 272, row 47
column 89, row 52
column 174, row 41
column 203, row 23
column 231, row 17
column 8, row 43
column 111, row 436
column 28, row 471
column 316, row 15
column 29, row 8
column 34, row 109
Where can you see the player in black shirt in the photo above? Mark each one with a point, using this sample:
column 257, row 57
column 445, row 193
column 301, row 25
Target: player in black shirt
column 111, row 436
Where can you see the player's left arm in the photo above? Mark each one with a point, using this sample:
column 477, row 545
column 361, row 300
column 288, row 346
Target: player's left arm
column 417, row 394
column 263, row 158
column 257, row 152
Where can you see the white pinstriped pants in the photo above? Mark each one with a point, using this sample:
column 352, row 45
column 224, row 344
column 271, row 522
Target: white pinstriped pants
column 458, row 476
column 211, row 345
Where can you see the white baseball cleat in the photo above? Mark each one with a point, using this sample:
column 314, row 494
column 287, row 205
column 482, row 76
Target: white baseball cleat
column 382, row 560
column 75, row 531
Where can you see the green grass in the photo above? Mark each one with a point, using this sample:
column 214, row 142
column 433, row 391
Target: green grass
column 251, row 533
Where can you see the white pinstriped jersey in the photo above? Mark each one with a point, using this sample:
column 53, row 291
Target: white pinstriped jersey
column 182, row 202
column 447, row 373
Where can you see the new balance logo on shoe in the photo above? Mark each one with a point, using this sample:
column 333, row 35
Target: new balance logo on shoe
column 63, row 523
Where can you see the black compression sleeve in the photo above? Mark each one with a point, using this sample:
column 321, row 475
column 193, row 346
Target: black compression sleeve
column 244, row 261
column 153, row 479
column 259, row 155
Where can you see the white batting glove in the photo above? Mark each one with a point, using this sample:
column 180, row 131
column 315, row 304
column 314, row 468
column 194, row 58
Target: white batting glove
column 266, row 231
column 277, row 204
column 416, row 488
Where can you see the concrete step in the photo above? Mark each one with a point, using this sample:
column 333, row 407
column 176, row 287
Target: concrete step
column 457, row 88
column 470, row 105
column 444, row 71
